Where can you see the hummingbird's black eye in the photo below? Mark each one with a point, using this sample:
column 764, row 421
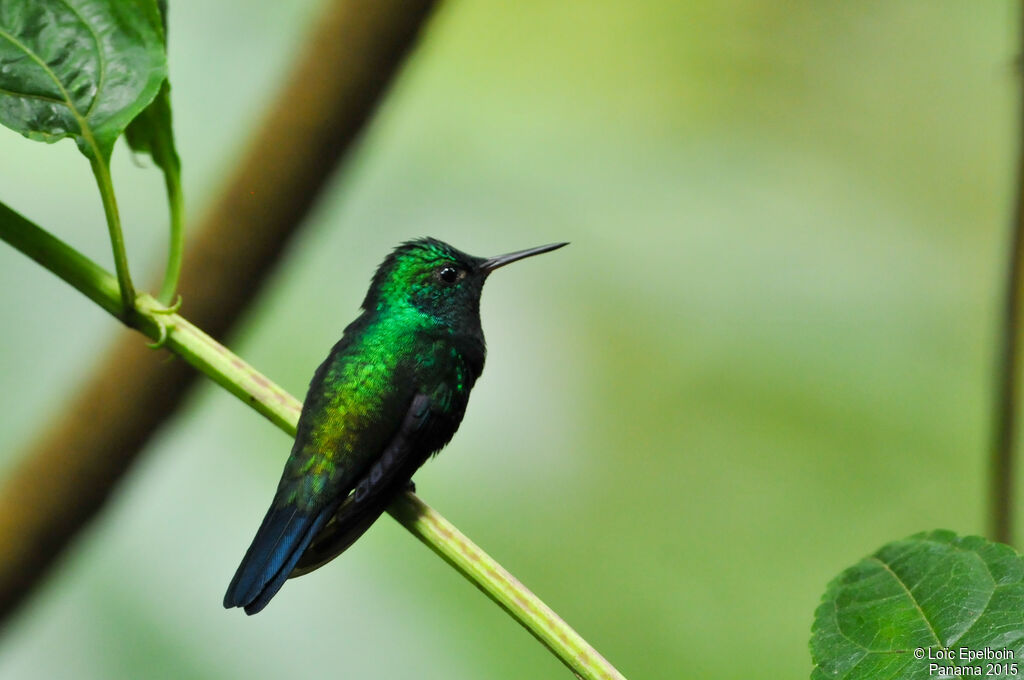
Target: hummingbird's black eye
column 449, row 274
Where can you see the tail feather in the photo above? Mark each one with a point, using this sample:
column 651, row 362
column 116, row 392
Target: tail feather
column 278, row 545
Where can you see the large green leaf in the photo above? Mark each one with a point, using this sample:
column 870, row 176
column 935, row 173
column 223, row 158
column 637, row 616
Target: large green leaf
column 79, row 68
column 894, row 614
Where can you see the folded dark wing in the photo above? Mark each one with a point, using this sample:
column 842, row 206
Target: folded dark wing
column 422, row 432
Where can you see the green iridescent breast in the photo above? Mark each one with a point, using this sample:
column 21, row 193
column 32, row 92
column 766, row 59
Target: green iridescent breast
column 359, row 397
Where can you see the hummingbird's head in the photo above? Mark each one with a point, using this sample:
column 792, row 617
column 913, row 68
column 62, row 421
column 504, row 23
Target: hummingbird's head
column 437, row 279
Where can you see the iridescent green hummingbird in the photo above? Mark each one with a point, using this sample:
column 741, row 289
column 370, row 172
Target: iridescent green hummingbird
column 391, row 393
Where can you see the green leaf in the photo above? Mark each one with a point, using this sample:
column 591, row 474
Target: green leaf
column 920, row 597
column 151, row 132
column 79, row 68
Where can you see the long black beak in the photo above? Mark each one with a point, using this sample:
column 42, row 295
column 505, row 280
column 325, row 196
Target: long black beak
column 489, row 265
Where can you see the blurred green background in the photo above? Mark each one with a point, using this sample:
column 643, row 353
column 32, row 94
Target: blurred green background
column 767, row 352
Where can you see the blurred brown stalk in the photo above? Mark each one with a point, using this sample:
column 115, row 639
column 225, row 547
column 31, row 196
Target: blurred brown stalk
column 1007, row 398
column 352, row 53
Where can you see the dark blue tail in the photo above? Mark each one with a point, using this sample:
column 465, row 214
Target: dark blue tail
column 278, row 545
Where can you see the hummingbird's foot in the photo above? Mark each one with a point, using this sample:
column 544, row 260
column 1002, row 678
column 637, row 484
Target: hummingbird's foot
column 410, row 486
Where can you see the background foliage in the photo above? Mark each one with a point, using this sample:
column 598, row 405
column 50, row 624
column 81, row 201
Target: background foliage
column 766, row 353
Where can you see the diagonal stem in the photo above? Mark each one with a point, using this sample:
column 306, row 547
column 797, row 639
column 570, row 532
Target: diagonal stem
column 354, row 50
column 239, row 378
column 503, row 588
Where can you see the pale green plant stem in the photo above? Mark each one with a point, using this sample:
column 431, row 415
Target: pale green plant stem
column 498, row 584
column 245, row 382
column 101, row 170
column 176, row 201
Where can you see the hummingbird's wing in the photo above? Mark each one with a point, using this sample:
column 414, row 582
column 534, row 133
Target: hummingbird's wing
column 416, row 439
column 287, row 531
column 336, row 444
column 356, row 444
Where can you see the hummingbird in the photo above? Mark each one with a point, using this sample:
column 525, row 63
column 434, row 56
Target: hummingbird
column 391, row 393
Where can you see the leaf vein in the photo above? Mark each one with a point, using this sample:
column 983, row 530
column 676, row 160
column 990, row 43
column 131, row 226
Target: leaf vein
column 26, row 95
column 83, row 130
column 916, row 604
column 99, row 54
column 981, row 612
